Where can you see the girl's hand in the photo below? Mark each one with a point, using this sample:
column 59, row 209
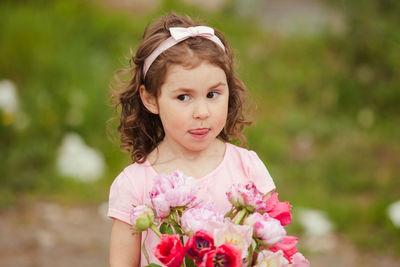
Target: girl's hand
column 124, row 246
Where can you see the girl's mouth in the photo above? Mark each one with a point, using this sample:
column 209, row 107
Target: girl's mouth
column 199, row 133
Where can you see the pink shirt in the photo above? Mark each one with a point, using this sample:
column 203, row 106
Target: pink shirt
column 133, row 184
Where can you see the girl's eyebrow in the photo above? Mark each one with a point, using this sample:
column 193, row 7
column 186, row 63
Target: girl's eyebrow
column 189, row 89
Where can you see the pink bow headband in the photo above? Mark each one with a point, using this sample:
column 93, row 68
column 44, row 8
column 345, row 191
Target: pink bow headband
column 179, row 34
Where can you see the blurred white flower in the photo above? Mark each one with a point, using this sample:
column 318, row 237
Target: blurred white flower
column 393, row 212
column 318, row 236
column 76, row 159
column 8, row 96
column 315, row 222
column 8, row 102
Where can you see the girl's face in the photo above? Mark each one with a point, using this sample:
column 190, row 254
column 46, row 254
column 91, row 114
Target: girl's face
column 193, row 106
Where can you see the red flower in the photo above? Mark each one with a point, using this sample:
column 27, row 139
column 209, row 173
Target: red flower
column 170, row 250
column 279, row 210
column 288, row 247
column 198, row 245
column 226, row 255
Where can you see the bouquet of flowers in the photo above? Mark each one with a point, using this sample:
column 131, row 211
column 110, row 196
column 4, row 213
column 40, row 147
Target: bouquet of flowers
column 197, row 234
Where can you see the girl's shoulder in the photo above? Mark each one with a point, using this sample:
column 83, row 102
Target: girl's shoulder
column 252, row 166
column 241, row 153
column 248, row 160
column 138, row 170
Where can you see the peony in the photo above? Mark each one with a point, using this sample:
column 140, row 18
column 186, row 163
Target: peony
column 172, row 190
column 226, row 255
column 198, row 245
column 239, row 235
column 246, row 196
column 170, row 250
column 205, row 217
column 267, row 229
column 287, row 245
column 267, row 258
column 142, row 217
column 278, row 210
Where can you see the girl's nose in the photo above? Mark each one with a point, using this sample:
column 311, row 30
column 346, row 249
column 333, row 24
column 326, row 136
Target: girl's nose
column 201, row 111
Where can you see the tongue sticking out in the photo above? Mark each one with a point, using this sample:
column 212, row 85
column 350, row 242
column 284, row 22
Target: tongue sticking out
column 199, row 131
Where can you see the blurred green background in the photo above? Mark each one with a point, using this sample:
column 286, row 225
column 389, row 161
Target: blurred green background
column 323, row 91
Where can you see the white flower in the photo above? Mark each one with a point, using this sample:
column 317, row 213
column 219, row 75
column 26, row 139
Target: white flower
column 315, row 222
column 239, row 235
column 8, row 97
column 393, row 212
column 77, row 160
column 267, row 258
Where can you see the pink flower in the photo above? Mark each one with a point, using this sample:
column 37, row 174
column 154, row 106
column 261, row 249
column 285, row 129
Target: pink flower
column 142, row 217
column 287, row 245
column 246, row 196
column 239, row 235
column 205, row 217
column 278, row 210
column 267, row 229
column 173, row 190
column 299, row 260
column 226, row 255
column 170, row 250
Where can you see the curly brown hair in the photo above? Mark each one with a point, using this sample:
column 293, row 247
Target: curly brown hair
column 141, row 131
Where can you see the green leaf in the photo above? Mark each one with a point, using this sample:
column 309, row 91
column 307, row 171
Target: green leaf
column 153, row 265
column 178, row 231
column 163, row 228
column 166, row 228
column 189, row 262
column 250, row 257
column 169, row 230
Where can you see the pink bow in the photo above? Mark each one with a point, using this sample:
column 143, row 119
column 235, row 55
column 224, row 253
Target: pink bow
column 180, row 33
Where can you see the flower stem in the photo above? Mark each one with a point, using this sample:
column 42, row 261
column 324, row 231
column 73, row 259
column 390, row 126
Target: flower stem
column 155, row 230
column 241, row 215
column 174, row 216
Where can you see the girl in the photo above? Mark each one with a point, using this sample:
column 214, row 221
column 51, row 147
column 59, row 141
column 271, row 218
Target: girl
column 181, row 108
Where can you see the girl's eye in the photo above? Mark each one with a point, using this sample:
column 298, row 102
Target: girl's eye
column 183, row 98
column 212, row 95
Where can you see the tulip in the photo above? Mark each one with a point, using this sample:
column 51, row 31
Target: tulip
column 198, row 245
column 278, row 210
column 170, row 250
column 239, row 235
column 226, row 255
column 287, row 245
column 299, row 260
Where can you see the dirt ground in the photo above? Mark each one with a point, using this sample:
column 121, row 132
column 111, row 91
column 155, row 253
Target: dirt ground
column 48, row 234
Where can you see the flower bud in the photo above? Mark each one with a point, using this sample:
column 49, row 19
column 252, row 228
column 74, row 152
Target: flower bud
column 142, row 217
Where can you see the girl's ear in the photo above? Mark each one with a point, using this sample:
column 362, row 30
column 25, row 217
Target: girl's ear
column 149, row 101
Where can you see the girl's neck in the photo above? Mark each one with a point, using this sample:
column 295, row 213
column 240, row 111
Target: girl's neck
column 166, row 158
